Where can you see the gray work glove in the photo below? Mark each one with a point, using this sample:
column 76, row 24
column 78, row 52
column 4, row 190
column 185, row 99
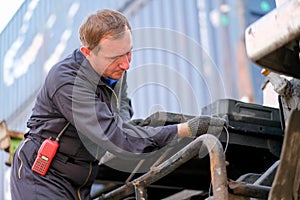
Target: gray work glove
column 206, row 124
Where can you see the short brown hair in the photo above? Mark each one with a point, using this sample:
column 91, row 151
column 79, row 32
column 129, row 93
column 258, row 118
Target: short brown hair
column 101, row 24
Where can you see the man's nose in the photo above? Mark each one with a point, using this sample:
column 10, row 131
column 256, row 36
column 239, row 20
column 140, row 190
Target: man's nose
column 124, row 62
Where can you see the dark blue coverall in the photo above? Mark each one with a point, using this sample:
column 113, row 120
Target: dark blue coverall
column 73, row 92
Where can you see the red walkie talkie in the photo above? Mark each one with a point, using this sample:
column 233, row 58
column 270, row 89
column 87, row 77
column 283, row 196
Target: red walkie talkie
column 46, row 154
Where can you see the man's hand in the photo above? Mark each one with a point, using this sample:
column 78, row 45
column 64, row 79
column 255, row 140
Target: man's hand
column 201, row 125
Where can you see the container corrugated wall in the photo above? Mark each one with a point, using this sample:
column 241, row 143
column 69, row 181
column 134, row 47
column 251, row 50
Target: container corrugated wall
column 186, row 54
column 193, row 51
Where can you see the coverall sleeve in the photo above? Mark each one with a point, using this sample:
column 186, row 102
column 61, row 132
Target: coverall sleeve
column 95, row 122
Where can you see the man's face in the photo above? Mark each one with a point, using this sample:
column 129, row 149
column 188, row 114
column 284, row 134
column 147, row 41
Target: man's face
column 114, row 56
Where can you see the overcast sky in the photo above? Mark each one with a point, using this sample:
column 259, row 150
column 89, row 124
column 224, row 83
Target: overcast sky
column 7, row 10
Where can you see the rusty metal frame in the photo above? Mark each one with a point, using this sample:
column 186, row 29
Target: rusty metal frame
column 217, row 166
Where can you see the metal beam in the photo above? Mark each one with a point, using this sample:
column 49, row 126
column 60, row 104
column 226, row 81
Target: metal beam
column 217, row 165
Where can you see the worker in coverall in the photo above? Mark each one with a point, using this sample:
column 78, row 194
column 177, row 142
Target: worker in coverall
column 88, row 90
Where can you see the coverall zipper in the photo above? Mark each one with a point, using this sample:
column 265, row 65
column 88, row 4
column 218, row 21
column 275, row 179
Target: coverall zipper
column 117, row 99
column 90, row 171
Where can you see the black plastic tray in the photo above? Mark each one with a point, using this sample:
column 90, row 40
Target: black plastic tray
column 246, row 117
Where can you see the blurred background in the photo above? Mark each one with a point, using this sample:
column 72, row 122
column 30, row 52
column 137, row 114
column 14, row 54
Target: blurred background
column 187, row 53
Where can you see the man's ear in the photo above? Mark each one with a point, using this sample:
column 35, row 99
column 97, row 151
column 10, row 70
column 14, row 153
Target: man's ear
column 86, row 51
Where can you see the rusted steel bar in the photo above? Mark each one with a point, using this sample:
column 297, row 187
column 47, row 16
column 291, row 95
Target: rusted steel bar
column 217, row 161
column 249, row 190
column 217, row 167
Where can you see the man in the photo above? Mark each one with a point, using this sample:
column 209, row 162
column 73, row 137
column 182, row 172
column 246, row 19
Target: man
column 88, row 89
